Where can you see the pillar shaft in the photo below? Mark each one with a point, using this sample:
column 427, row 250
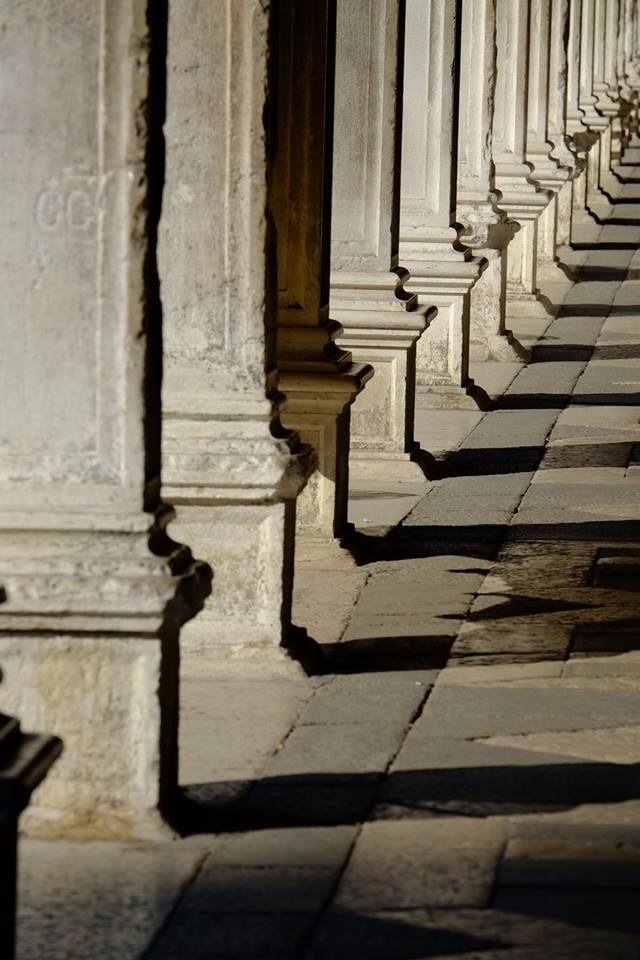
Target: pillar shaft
column 89, row 625
column 486, row 229
column 442, row 269
column 230, row 467
column 546, row 170
column 557, row 124
column 381, row 320
column 522, row 200
column 318, row 377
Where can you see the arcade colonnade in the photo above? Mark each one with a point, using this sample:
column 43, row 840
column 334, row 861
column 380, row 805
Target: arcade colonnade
column 241, row 241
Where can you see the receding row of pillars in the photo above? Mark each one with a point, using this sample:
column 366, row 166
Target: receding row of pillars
column 242, row 241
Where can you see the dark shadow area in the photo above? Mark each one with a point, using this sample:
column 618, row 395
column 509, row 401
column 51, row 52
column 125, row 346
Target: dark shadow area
column 481, row 540
column 561, row 353
column 605, row 245
column 529, row 786
column 558, row 401
column 617, row 569
column 518, row 605
column 603, row 310
column 606, row 910
column 605, row 639
column 490, row 461
column 345, row 935
column 605, row 274
column 384, row 654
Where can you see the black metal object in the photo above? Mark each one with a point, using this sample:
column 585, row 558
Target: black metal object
column 25, row 759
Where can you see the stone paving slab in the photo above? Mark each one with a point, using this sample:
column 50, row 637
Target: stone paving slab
column 494, row 710
column 445, row 862
column 97, row 900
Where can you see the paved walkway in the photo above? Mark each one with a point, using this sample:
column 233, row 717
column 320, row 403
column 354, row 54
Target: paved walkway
column 463, row 783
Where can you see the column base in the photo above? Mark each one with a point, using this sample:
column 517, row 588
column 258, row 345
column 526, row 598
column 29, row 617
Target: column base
column 450, row 396
column 298, row 656
column 394, row 466
column 529, row 306
column 330, row 553
column 104, row 697
column 503, row 347
column 246, row 618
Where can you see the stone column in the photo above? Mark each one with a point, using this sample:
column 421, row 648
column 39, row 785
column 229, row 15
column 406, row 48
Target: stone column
column 318, row 377
column 230, row 468
column 546, row 170
column 486, row 228
column 522, row 200
column 630, row 52
column 620, row 136
column 607, row 97
column 442, row 269
column 94, row 591
column 588, row 101
column 581, row 138
column 381, row 320
column 557, row 129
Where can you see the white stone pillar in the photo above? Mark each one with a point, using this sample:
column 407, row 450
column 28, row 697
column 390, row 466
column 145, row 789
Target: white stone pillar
column 557, row 126
column 442, row 269
column 94, row 592
column 581, row 138
column 318, row 378
column 630, row 52
column 626, row 94
column 486, row 229
column 522, row 200
column 547, row 171
column 230, row 468
column 381, row 320
column 607, row 97
column 588, row 101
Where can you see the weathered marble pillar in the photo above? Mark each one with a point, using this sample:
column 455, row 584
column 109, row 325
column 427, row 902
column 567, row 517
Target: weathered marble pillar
column 230, row 468
column 486, row 228
column 630, row 55
column 557, row 129
column 520, row 197
column 94, row 591
column 621, row 124
column 607, row 97
column 442, row 269
column 580, row 137
column 546, row 169
column 318, row 378
column 588, row 101
column 381, row 320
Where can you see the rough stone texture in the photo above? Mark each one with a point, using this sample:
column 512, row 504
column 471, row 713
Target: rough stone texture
column 486, row 230
column 90, row 614
column 521, row 199
column 435, row 863
column 318, row 378
column 228, row 464
column 381, row 320
column 95, row 886
column 442, row 269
